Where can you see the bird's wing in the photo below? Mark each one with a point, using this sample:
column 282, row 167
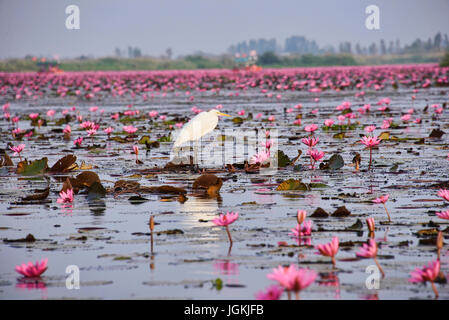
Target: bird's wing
column 197, row 127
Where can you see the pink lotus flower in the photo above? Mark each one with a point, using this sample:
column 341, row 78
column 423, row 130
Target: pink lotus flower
column 65, row 197
column 67, row 129
column 136, row 152
column 129, row 129
column 259, row 115
column 302, row 230
column 369, row 129
column 179, row 125
column 273, row 292
column 297, row 122
column 162, row 118
column 329, row 249
column 108, row 131
column 383, row 200
column 385, row 124
column 301, row 216
column 91, row 132
column 93, row 109
column 443, row 214
column 310, row 142
column 33, row 115
column 262, row 157
column 17, row 149
column 311, row 128
column 271, row 118
column 78, row 142
column 406, row 117
column 241, row 113
column 370, row 251
column 32, row 271
column 225, row 220
column 328, row 122
column 444, row 193
column 315, row 156
column 51, row 113
column 153, row 114
column 292, row 278
column 370, row 142
column 427, row 273
column 115, row 116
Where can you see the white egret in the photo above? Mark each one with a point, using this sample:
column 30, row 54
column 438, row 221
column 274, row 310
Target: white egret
column 199, row 126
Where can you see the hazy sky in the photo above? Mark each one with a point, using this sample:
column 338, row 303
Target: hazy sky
column 38, row 26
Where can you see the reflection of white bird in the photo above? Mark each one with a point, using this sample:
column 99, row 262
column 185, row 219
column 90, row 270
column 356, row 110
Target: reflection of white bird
column 199, row 126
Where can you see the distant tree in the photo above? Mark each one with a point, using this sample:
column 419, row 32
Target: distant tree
column 118, row 52
column 169, row 53
column 269, row 58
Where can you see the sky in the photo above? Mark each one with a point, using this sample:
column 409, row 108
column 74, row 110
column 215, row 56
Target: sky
column 38, row 27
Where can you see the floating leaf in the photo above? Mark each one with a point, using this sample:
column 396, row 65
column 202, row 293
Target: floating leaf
column 237, row 120
column 292, row 184
column 33, row 168
column 209, row 182
column 38, row 196
column 335, row 162
column 85, row 179
column 436, row 133
column 320, row 213
column 283, row 159
column 96, row 191
column 341, row 212
column 64, row 164
column 340, row 135
column 6, row 161
column 384, row 135
column 137, row 200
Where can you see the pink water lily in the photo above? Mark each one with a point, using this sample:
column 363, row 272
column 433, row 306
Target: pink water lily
column 129, row 129
column 18, row 149
column 78, row 142
column 310, row 142
column 371, row 226
column 443, row 214
column 225, row 220
column 370, row 142
column 65, row 196
column 293, row 279
column 383, row 200
column 444, row 193
column 427, row 273
column 369, row 250
column 31, row 270
column 301, row 230
column 311, row 128
column 329, row 249
column 108, row 131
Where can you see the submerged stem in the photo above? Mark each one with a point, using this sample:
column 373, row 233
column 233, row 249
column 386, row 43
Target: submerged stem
column 434, row 289
column 229, row 234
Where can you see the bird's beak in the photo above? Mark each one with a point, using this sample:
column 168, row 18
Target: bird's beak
column 223, row 114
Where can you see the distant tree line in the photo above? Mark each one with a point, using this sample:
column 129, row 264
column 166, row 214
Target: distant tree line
column 302, row 45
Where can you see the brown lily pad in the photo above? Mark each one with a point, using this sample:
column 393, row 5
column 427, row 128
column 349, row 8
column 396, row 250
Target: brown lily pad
column 65, row 164
column 341, row 212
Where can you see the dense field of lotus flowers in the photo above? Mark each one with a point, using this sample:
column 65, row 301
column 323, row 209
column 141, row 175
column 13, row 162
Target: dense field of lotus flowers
column 355, row 206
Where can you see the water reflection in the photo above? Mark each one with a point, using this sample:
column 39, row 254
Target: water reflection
column 32, row 284
column 230, row 270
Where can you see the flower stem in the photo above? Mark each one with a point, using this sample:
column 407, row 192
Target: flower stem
column 370, row 157
column 389, row 219
column 229, row 234
column 434, row 289
column 380, row 268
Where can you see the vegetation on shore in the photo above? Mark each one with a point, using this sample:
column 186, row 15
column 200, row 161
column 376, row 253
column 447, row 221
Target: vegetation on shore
column 267, row 60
